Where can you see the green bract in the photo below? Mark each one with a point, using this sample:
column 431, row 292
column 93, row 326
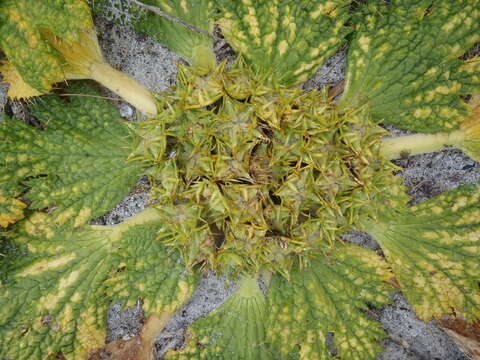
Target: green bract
column 256, row 182
column 251, row 178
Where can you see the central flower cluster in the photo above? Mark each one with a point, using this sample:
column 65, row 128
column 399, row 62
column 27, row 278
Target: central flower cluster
column 252, row 176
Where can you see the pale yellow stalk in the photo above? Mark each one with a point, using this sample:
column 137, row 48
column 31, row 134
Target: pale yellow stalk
column 394, row 147
column 125, row 87
column 85, row 61
column 466, row 138
column 149, row 215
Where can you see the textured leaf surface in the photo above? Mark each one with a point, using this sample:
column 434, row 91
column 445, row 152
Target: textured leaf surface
column 21, row 39
column 404, row 62
column 194, row 46
column 434, row 252
column 11, row 210
column 143, row 273
column 18, row 88
column 54, row 299
column 470, row 75
column 234, row 331
column 77, row 164
column 329, row 297
column 289, row 38
column 51, row 301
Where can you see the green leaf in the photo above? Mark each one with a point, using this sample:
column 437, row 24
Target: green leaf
column 54, row 299
column 194, row 46
column 52, row 302
column 293, row 321
column 234, row 331
column 403, row 62
column 77, row 163
column 434, row 252
column 329, row 296
column 469, row 75
column 289, row 39
column 22, row 23
column 143, row 273
column 471, row 129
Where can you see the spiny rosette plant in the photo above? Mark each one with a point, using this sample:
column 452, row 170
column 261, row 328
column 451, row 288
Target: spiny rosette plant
column 252, row 178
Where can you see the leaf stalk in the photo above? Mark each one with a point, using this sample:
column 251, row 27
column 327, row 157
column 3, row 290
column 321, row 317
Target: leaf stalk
column 394, row 147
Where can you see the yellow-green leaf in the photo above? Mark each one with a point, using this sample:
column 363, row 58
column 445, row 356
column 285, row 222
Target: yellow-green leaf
column 147, row 270
column 234, row 331
column 329, row 296
column 52, row 300
column 403, row 62
column 21, row 39
column 56, row 292
column 289, row 39
column 434, row 252
column 77, row 163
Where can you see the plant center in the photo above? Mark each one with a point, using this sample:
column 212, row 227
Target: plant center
column 254, row 176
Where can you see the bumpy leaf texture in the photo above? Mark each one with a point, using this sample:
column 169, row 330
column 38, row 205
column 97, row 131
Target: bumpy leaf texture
column 404, row 62
column 470, row 75
column 176, row 37
column 434, row 252
column 77, row 163
column 11, row 210
column 21, row 38
column 295, row 318
column 54, row 299
column 236, row 330
column 143, row 273
column 18, row 88
column 289, row 39
column 329, row 298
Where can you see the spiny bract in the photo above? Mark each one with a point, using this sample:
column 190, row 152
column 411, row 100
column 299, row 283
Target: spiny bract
column 257, row 176
column 253, row 178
